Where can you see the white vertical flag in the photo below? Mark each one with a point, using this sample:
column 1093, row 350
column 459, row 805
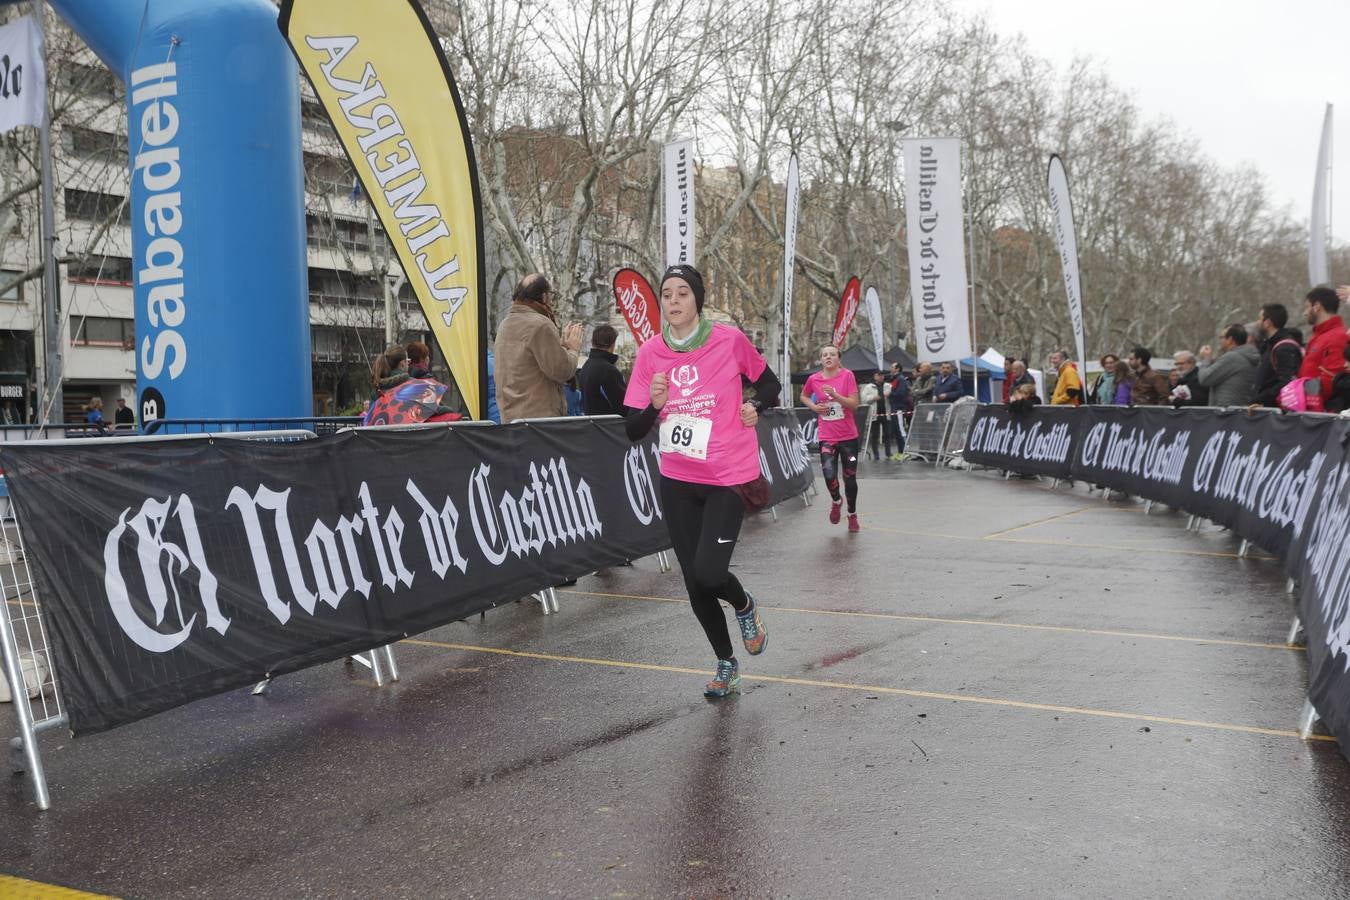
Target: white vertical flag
column 874, row 317
column 1061, row 208
column 23, row 83
column 678, row 175
column 937, row 257
column 1317, row 234
column 789, row 265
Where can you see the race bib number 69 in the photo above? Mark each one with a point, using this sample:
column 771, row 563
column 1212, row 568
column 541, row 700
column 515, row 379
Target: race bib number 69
column 686, row 435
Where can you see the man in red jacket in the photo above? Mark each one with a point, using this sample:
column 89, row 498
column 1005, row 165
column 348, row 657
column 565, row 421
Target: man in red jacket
column 1325, row 356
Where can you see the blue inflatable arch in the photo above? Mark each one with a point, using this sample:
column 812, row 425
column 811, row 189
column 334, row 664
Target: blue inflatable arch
column 217, row 203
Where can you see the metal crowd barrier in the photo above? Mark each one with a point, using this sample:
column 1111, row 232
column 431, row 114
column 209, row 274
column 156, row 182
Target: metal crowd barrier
column 25, row 647
column 56, row 430
column 959, row 420
column 319, row 425
column 928, row 430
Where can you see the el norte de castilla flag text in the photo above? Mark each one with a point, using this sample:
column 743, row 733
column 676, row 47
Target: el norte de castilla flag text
column 937, row 249
column 23, row 98
column 378, row 69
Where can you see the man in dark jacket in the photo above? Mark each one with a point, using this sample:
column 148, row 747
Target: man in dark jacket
column 601, row 382
column 948, row 387
column 1194, row 393
column 1281, row 355
column 1018, row 376
column 902, row 403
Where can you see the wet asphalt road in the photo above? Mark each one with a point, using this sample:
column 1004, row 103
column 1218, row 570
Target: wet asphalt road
column 995, row 690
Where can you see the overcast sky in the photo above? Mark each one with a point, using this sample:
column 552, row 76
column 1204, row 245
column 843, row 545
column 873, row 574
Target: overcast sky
column 1249, row 79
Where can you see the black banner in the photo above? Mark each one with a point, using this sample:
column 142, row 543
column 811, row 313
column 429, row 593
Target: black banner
column 1035, row 444
column 1321, row 563
column 1253, row 474
column 1279, row 481
column 171, row 570
column 809, row 422
column 783, row 457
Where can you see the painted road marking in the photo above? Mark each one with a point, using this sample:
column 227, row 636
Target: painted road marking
column 1103, row 632
column 35, row 890
column 1077, row 545
column 1035, row 522
column 876, row 689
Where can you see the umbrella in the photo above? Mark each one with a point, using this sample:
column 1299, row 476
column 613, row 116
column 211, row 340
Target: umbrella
column 414, row 400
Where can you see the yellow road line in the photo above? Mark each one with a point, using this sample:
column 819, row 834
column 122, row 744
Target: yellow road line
column 876, row 689
column 36, row 890
column 998, row 536
column 1068, row 542
column 1066, row 629
column 1042, row 521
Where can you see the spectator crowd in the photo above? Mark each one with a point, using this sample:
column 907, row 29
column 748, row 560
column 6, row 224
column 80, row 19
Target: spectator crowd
column 536, row 370
column 1270, row 362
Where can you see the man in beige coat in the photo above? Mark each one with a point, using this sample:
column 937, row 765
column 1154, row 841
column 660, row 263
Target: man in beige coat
column 532, row 359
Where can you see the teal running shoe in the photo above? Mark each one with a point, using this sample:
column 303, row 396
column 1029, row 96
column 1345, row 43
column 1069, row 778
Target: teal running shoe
column 753, row 633
column 727, row 681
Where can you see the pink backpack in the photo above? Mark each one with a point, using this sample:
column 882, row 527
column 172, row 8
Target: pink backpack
column 1302, row 395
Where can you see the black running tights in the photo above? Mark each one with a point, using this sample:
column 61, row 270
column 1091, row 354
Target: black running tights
column 833, row 457
column 704, row 522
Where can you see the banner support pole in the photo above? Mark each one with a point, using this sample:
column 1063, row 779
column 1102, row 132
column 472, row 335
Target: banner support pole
column 52, row 363
column 1307, row 719
column 974, row 345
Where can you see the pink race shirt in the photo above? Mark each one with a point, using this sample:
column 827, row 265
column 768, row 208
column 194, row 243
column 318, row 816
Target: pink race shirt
column 703, row 393
column 838, row 424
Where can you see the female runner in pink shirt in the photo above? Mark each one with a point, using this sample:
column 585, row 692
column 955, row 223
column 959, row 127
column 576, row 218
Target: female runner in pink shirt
column 690, row 381
column 833, row 394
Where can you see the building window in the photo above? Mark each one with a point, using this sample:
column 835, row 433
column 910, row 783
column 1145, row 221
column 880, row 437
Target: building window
column 328, row 174
column 90, row 144
column 92, row 81
column 340, row 288
column 92, row 331
column 10, row 294
column 332, row 233
column 93, row 206
column 100, row 270
column 330, row 343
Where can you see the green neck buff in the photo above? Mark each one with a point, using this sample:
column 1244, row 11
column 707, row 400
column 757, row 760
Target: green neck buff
column 696, row 339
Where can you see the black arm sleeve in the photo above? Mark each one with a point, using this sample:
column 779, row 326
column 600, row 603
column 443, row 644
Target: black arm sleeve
column 640, row 421
column 767, row 388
